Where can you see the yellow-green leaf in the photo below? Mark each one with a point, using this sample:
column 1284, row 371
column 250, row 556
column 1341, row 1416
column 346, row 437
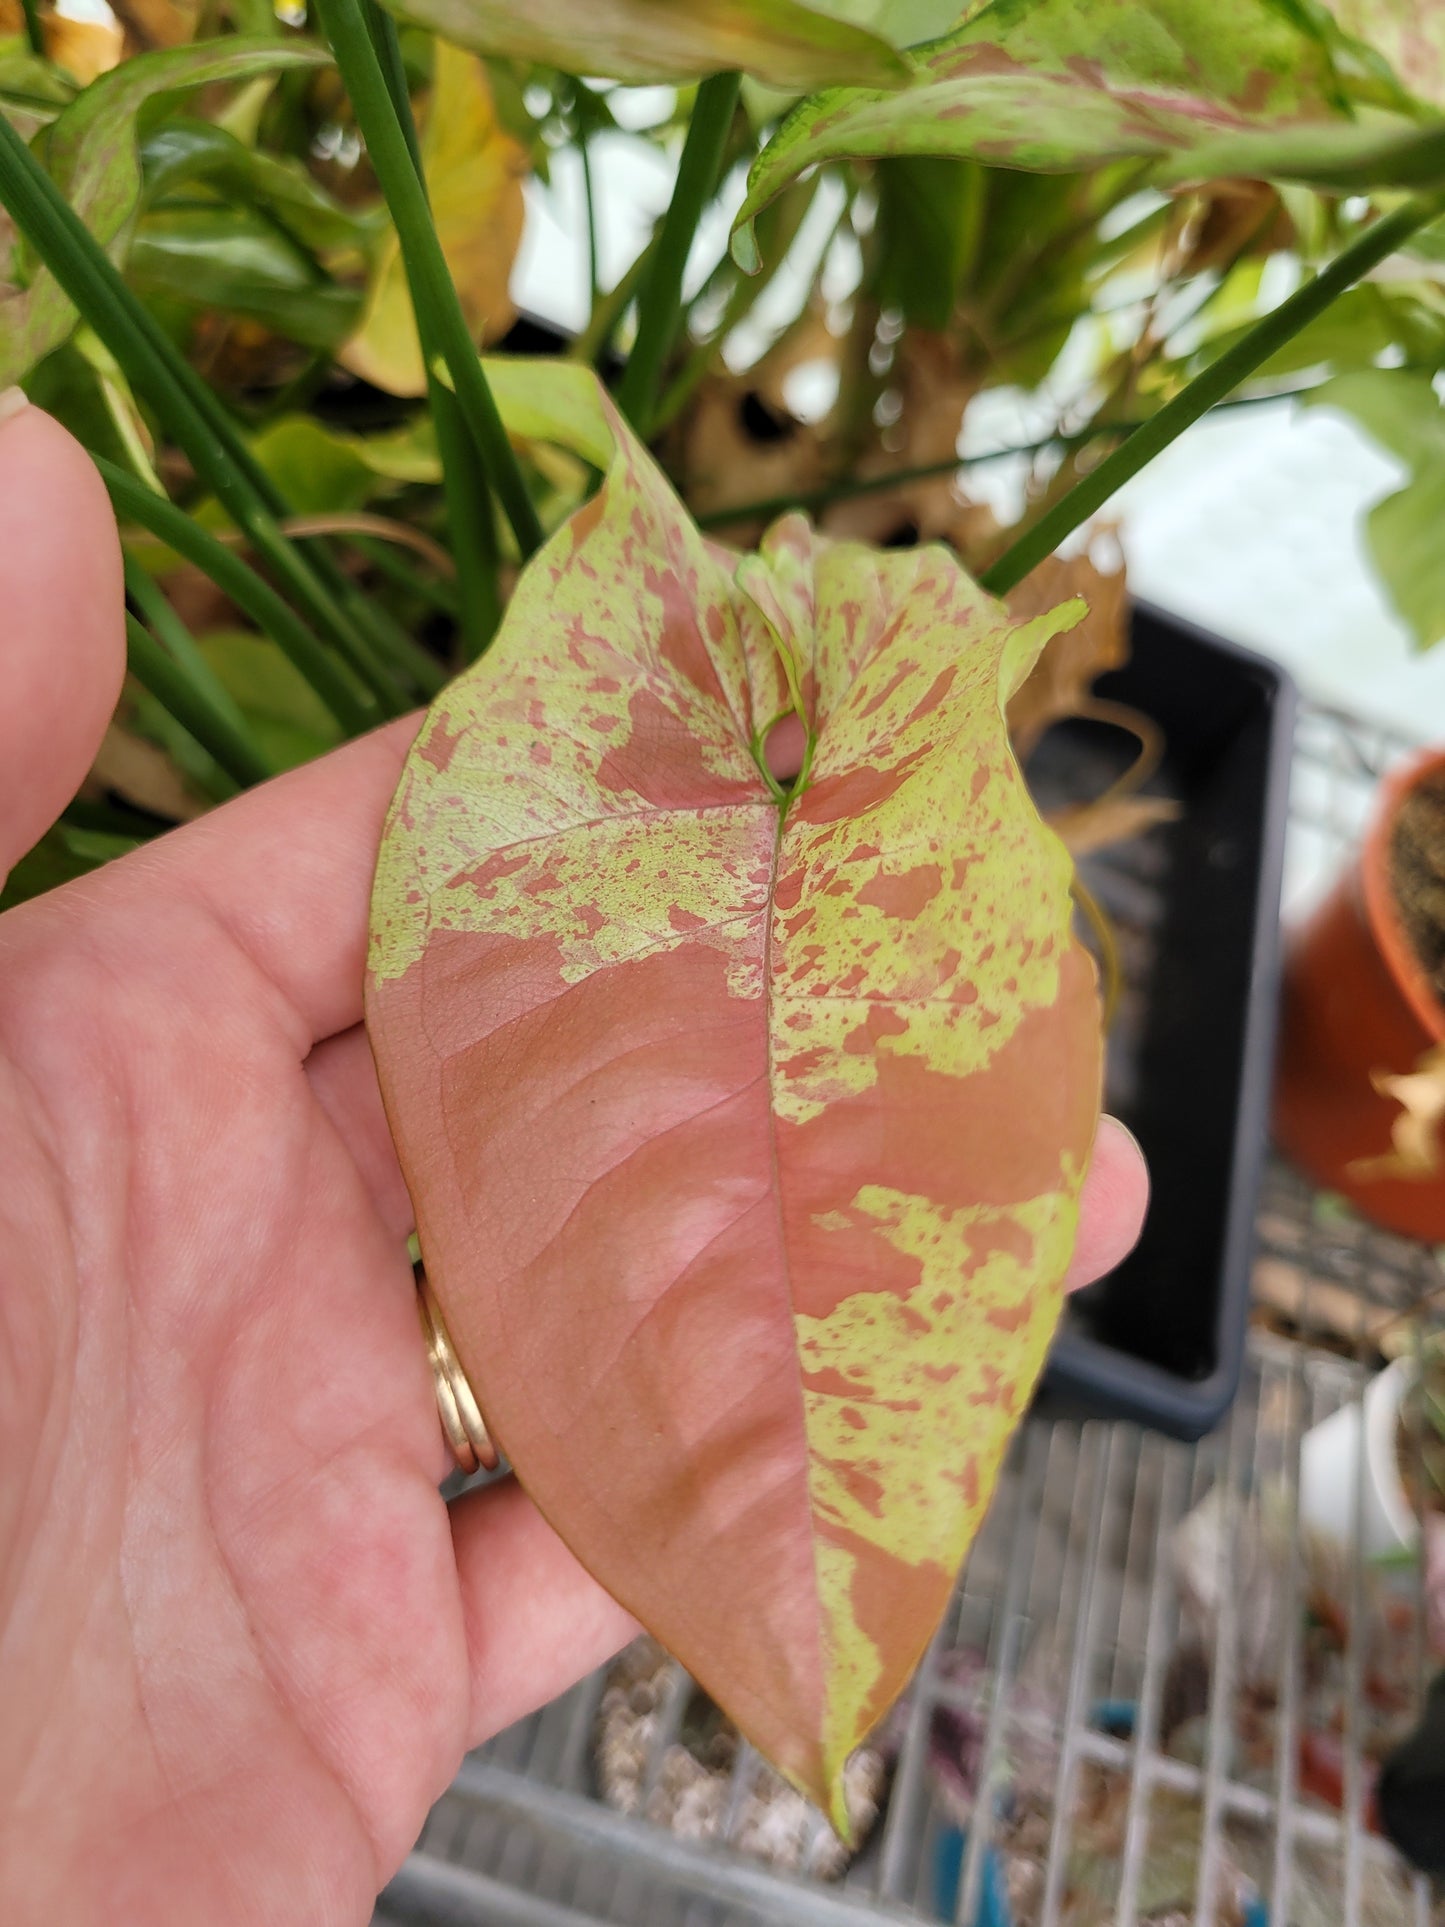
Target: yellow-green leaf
column 1409, row 35
column 474, row 171
column 783, row 42
column 745, row 1121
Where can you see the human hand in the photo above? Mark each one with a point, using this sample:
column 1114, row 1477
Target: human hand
column 243, row 1641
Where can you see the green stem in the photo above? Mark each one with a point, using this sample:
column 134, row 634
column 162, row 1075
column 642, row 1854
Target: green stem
column 212, row 728
column 387, row 42
column 584, row 149
column 659, row 304
column 154, row 609
column 596, row 338
column 1209, row 387
column 464, row 480
column 34, row 33
column 188, row 411
column 253, row 596
column 743, row 296
column 384, row 557
column 434, row 297
column 471, row 524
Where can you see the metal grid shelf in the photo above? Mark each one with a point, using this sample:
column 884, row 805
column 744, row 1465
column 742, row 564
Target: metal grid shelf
column 1081, row 1593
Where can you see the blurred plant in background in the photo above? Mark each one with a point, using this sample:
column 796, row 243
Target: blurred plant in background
column 1053, row 230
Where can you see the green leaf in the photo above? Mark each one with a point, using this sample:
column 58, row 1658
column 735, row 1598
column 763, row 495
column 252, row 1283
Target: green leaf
column 69, row 387
column 184, row 151
column 929, row 214
column 1400, row 410
column 284, row 714
column 1352, row 334
column 782, row 42
column 62, row 854
column 236, row 261
column 1395, row 406
column 1240, row 87
column 1403, row 533
column 322, row 469
column 745, row 1126
column 32, row 92
column 92, row 155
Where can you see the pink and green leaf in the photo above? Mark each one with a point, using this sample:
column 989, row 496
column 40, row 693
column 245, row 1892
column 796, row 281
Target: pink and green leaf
column 1241, row 87
column 784, row 42
column 1409, row 35
column 745, row 1126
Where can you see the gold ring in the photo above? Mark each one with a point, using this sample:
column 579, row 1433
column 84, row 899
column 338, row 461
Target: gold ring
column 461, row 1416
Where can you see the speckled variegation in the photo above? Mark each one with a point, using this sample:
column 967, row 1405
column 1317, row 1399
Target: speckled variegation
column 745, row 1131
column 1235, row 87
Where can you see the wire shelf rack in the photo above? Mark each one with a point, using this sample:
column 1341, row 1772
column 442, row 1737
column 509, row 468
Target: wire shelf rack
column 1120, row 1580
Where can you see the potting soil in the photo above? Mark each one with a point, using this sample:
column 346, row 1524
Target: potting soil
column 1417, row 876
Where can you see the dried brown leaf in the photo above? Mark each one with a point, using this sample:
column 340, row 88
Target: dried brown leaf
column 1065, row 673
column 143, row 775
column 84, row 48
column 1415, row 1148
column 1085, row 827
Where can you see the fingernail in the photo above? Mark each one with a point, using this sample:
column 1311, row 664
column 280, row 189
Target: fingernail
column 12, row 400
column 1120, row 1126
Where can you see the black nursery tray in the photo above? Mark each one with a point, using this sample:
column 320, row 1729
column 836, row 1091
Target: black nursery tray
column 1195, row 908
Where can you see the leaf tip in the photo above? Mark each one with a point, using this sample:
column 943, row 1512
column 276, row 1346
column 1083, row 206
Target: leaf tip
column 836, row 1808
column 744, row 245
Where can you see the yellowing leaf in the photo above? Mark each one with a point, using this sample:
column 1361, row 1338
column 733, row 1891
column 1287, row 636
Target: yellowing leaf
column 745, row 1128
column 84, row 48
column 474, row 173
column 161, row 23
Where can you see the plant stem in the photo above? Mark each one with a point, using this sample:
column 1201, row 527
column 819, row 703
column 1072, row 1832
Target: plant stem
column 247, row 590
column 471, row 524
column 584, row 149
column 387, row 42
column 212, row 728
column 384, row 557
column 1210, row 386
column 659, row 304
column 595, row 341
column 785, row 218
column 464, row 479
column 434, row 297
column 152, row 606
column 188, row 411
column 34, row 32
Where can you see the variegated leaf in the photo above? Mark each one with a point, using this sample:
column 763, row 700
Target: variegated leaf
column 783, row 42
column 1241, row 87
column 745, row 1124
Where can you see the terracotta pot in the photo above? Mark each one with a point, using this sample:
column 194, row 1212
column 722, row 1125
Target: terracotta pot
column 1356, row 1002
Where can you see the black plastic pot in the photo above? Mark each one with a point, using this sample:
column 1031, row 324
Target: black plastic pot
column 1195, row 903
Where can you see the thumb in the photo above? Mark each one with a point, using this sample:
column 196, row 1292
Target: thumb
column 62, row 629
